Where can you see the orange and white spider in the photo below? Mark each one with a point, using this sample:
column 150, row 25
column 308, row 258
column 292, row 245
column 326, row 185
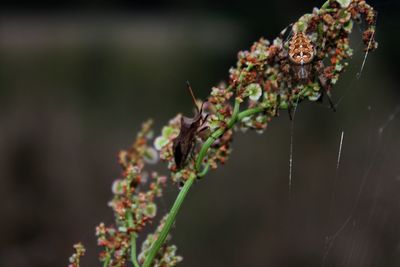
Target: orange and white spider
column 301, row 54
column 303, row 65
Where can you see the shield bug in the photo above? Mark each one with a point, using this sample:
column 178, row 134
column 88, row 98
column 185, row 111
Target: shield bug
column 184, row 143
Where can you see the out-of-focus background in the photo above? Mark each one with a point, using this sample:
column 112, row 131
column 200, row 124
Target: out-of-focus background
column 77, row 78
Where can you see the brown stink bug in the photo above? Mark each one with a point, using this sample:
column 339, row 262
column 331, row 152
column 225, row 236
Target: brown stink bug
column 184, row 143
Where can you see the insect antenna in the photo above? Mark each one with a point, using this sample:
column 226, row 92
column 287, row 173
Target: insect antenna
column 193, row 97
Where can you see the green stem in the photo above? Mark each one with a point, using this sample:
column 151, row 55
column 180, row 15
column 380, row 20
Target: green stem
column 325, row 5
column 108, row 259
column 105, row 264
column 133, row 241
column 249, row 112
column 215, row 135
column 204, row 171
column 207, row 144
column 169, row 222
column 133, row 250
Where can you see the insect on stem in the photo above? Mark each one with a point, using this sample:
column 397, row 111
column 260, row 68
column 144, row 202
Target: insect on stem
column 184, row 143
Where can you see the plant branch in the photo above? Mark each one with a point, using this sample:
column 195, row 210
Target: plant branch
column 236, row 116
column 249, row 112
column 133, row 250
column 107, row 260
column 262, row 74
column 133, row 236
column 243, row 77
column 133, row 241
column 214, row 136
column 169, row 222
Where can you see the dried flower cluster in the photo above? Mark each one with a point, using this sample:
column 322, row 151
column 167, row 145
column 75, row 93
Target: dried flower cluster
column 134, row 207
column 263, row 82
column 74, row 260
column 166, row 255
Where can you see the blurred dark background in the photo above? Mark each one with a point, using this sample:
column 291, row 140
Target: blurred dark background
column 77, row 78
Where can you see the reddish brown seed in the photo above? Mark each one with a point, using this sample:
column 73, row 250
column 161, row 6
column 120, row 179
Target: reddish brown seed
column 301, row 51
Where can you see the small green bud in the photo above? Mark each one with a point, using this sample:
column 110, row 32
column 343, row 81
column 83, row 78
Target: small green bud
column 344, row 3
column 338, row 67
column 122, row 229
column 314, row 96
column 160, row 142
column 117, row 187
column 151, row 156
column 254, row 91
column 283, row 105
column 167, row 131
column 150, row 210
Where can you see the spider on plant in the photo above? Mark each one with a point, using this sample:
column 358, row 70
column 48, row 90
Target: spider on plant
column 300, row 61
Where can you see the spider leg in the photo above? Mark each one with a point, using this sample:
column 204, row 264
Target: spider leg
column 278, row 104
column 290, row 108
column 326, row 88
column 332, row 105
column 323, row 81
column 290, row 113
column 284, row 35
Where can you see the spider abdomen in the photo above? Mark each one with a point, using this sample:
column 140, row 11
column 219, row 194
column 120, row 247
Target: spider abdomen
column 301, row 50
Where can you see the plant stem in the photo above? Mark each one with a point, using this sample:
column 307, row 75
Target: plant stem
column 325, row 5
column 107, row 260
column 236, row 115
column 249, row 112
column 215, row 135
column 133, row 250
column 105, row 264
column 133, row 239
column 169, row 222
column 204, row 148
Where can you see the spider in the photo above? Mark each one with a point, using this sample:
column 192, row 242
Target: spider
column 304, row 66
column 301, row 54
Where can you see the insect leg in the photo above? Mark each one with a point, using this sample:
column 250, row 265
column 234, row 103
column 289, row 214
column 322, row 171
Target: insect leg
column 192, row 150
column 204, row 120
column 202, row 129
